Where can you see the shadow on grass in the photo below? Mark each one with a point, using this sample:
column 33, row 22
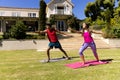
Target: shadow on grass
column 107, row 60
column 64, row 58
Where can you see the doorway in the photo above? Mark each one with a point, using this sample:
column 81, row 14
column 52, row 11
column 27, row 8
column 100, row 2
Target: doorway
column 61, row 25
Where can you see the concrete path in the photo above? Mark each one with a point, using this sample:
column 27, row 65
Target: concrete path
column 72, row 42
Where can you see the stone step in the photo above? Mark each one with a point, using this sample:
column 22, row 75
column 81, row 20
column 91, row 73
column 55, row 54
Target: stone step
column 77, row 40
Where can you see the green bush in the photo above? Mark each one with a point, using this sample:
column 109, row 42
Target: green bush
column 113, row 32
column 6, row 35
column 98, row 27
column 116, row 32
column 18, row 31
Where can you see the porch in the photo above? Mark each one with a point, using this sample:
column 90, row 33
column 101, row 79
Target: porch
column 61, row 21
column 7, row 22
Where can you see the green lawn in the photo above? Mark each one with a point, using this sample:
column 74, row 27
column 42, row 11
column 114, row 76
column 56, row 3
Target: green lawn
column 25, row 65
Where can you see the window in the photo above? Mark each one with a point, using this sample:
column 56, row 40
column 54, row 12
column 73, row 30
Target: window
column 60, row 9
column 31, row 14
column 16, row 14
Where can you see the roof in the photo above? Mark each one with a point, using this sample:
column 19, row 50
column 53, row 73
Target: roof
column 19, row 8
column 19, row 18
column 52, row 1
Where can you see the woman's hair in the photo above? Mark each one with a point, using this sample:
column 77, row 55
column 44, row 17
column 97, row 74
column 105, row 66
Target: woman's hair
column 87, row 27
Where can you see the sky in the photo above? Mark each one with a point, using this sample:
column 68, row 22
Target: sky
column 78, row 10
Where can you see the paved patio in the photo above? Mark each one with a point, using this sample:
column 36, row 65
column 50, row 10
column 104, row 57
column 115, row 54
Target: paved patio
column 76, row 41
column 72, row 42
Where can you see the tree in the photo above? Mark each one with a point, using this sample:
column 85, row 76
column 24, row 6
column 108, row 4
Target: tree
column 73, row 23
column 117, row 14
column 97, row 8
column 42, row 15
column 92, row 10
column 118, row 2
column 52, row 20
column 102, row 10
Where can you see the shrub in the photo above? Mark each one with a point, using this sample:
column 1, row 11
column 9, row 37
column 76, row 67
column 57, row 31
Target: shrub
column 107, row 33
column 116, row 32
column 18, row 31
column 113, row 32
column 6, row 35
column 98, row 27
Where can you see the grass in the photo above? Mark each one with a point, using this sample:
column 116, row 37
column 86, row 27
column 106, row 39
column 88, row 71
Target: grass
column 25, row 65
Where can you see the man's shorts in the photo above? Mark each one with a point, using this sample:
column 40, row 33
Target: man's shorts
column 55, row 44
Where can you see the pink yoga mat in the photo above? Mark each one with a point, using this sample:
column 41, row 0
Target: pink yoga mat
column 76, row 65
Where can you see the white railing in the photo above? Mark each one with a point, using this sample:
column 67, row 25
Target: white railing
column 59, row 12
column 62, row 12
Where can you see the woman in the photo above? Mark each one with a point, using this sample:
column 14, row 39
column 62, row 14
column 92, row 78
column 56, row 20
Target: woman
column 88, row 42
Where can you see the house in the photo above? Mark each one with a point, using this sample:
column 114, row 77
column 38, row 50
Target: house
column 9, row 16
column 60, row 10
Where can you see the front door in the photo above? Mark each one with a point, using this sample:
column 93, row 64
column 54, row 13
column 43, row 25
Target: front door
column 61, row 25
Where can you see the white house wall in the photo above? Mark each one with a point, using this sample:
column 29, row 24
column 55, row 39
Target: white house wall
column 69, row 9
column 22, row 12
column 51, row 8
column 15, row 12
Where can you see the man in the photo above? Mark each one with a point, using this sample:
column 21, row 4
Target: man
column 51, row 34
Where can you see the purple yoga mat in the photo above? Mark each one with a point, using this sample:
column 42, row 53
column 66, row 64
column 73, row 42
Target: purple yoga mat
column 76, row 65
